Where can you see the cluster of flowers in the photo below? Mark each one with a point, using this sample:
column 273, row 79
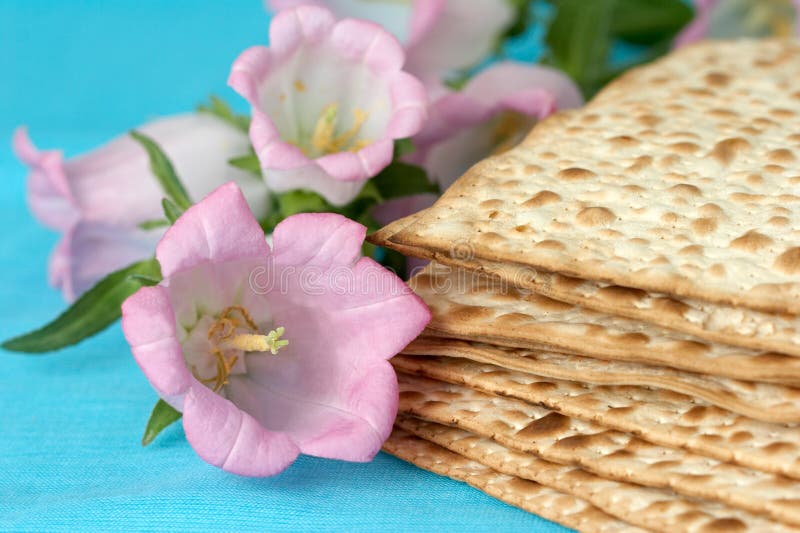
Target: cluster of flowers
column 328, row 99
column 259, row 373
column 350, row 103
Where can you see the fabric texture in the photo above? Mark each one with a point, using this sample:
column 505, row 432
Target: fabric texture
column 78, row 73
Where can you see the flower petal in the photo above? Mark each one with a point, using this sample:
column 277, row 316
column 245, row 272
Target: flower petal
column 227, row 437
column 49, row 195
column 424, row 15
column 357, row 313
column 317, row 239
column 220, row 228
column 90, row 251
column 303, row 24
column 58, row 268
column 398, row 208
column 698, row 27
column 796, row 4
column 506, row 78
column 330, row 410
column 358, row 166
column 409, row 106
column 314, row 178
column 113, row 184
column 247, row 70
column 459, row 131
column 314, row 66
column 367, row 42
column 464, row 33
column 149, row 326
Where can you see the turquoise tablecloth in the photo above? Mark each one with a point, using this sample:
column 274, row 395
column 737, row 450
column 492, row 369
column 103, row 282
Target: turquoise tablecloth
column 78, row 72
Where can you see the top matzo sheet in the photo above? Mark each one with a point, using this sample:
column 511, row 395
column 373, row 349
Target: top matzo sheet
column 682, row 177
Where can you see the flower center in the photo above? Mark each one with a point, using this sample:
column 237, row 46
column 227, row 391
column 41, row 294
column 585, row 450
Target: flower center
column 233, row 332
column 324, row 139
column 509, row 128
column 753, row 18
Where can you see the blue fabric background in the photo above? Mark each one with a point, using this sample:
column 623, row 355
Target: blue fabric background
column 77, row 73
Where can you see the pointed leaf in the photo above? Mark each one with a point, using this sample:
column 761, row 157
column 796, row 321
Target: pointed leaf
column 649, row 21
column 91, row 313
column 302, row 201
column 153, row 224
column 402, row 179
column 522, row 12
column 146, row 281
column 403, row 147
column 579, row 38
column 219, row 108
column 171, row 211
column 247, row 163
column 164, row 171
column 163, row 415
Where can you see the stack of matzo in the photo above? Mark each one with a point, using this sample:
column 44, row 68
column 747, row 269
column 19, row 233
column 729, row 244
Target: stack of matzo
column 615, row 342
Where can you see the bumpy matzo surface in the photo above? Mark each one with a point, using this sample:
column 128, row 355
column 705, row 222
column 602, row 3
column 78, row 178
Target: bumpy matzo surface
column 658, row 416
column 714, row 322
column 649, row 508
column 605, row 452
column 551, row 504
column 682, row 178
column 475, row 307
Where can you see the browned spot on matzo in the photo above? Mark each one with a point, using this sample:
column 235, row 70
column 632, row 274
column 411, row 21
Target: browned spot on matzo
column 542, row 198
column 595, row 216
column 576, row 174
column 752, row 241
column 789, row 261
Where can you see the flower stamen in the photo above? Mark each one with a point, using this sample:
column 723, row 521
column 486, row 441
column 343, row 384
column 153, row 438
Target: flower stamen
column 324, row 139
column 508, row 130
column 247, row 342
column 226, row 335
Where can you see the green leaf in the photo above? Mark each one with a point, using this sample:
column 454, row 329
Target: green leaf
column 402, row 179
column 163, row 171
column 221, row 109
column 273, row 217
column 395, row 261
column 146, row 281
column 91, row 313
column 269, row 222
column 370, row 192
column 362, row 204
column 153, row 224
column 522, row 11
column 458, row 80
column 171, row 211
column 403, row 147
column 649, row 21
column 162, row 416
column 302, row 201
column 579, row 38
column 247, row 163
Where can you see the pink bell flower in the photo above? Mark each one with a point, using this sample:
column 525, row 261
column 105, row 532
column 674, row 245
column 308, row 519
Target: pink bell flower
column 272, row 353
column 730, row 19
column 328, row 100
column 491, row 114
column 97, row 200
column 441, row 37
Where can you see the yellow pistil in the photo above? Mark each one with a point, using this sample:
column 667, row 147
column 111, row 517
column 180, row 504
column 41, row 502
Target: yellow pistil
column 324, row 139
column 777, row 15
column 782, row 27
column 249, row 342
column 508, row 130
column 752, row 18
column 225, row 335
